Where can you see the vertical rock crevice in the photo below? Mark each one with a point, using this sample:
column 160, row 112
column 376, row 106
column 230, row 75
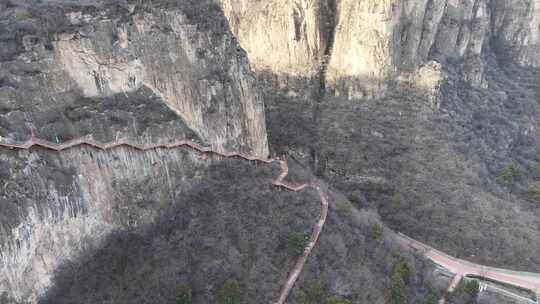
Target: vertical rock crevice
column 328, row 32
column 329, row 18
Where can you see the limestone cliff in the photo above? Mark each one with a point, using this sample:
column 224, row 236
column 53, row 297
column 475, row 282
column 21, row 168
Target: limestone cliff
column 373, row 43
column 283, row 37
column 379, row 40
column 53, row 61
column 109, row 70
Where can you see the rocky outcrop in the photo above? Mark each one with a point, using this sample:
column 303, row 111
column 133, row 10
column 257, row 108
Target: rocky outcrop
column 424, row 147
column 193, row 65
column 281, row 37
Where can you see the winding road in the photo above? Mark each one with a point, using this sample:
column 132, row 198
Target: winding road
column 278, row 182
column 462, row 268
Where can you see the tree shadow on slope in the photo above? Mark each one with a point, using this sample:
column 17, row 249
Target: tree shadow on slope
column 289, row 116
column 435, row 173
column 139, row 114
column 433, row 168
column 234, row 224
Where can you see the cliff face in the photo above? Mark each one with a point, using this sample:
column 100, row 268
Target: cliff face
column 282, row 37
column 518, row 32
column 110, row 71
column 53, row 61
column 394, row 37
column 57, row 207
column 373, row 43
column 397, row 37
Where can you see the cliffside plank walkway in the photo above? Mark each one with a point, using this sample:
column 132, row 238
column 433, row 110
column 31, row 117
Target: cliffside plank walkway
column 278, row 182
column 460, row 268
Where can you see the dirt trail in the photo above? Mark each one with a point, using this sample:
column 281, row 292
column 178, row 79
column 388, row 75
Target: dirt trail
column 278, row 182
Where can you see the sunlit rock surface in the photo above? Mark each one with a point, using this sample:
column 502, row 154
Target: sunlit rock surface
column 373, row 42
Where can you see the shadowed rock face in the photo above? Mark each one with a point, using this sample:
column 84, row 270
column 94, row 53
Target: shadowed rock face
column 56, row 207
column 517, row 24
column 57, row 54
